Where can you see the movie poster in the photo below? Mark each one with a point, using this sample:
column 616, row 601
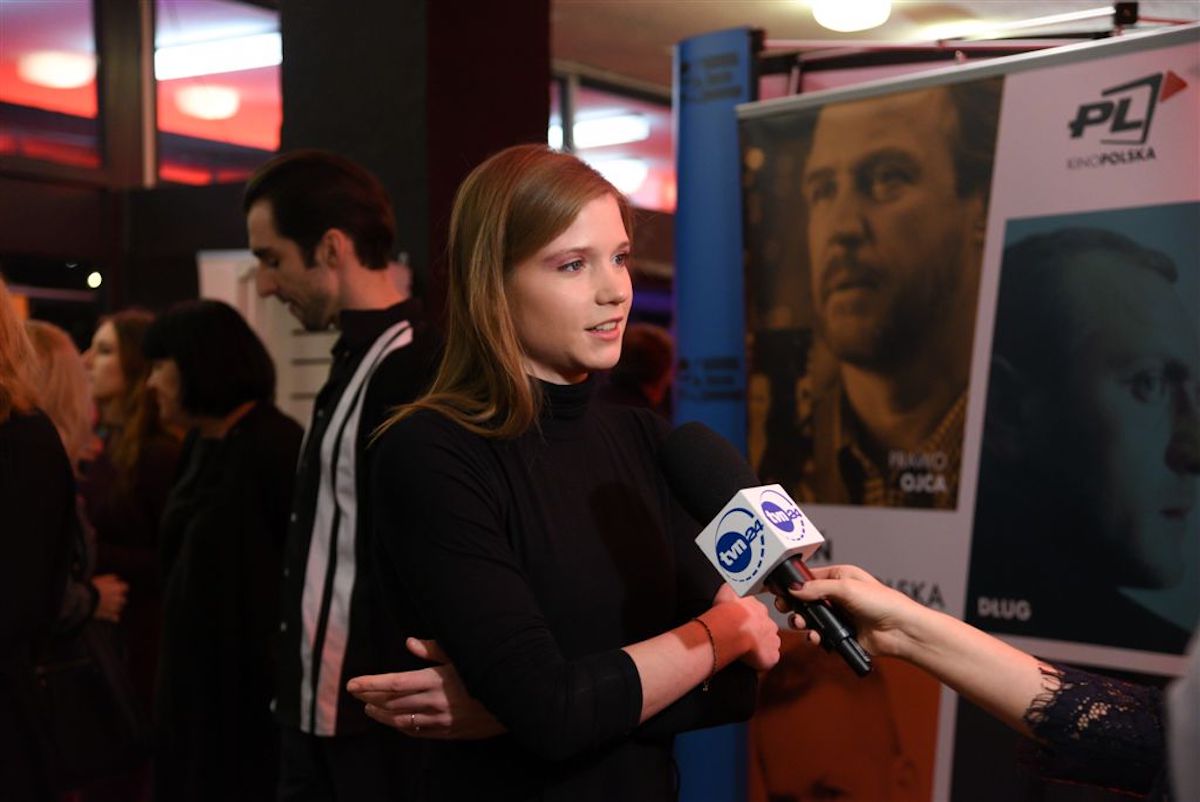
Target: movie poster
column 972, row 304
column 865, row 224
column 1085, row 522
column 1085, row 533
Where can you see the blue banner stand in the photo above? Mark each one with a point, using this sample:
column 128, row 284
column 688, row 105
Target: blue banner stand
column 713, row 74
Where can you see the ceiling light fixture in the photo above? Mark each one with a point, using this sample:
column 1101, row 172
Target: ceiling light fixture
column 846, row 16
column 218, row 56
column 627, row 175
column 598, row 132
column 57, row 69
column 982, row 29
column 208, row 102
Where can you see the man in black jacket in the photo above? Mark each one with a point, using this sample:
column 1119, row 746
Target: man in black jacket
column 322, row 229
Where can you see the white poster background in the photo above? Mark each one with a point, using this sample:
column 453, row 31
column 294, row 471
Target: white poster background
column 1040, row 170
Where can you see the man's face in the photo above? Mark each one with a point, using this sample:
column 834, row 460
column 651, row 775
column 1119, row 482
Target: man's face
column 1122, row 433
column 310, row 292
column 892, row 245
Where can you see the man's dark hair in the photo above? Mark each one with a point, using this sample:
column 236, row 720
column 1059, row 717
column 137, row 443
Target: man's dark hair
column 311, row 191
column 1031, row 301
column 977, row 106
column 222, row 363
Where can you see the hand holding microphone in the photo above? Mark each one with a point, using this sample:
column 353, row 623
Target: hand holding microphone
column 757, row 537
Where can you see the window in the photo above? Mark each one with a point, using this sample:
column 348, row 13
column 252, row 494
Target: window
column 219, row 107
column 626, row 136
column 48, row 108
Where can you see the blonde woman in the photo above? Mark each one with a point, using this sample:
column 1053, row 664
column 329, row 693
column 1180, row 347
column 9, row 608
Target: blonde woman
column 37, row 503
column 62, row 383
column 526, row 526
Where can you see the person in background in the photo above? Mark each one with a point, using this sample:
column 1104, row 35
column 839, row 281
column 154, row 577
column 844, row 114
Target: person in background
column 66, row 400
column 222, row 540
column 1095, row 729
column 125, row 489
column 643, row 375
column 530, row 530
column 322, row 230
column 37, row 500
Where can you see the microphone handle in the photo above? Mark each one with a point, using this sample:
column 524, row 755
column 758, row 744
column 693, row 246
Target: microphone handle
column 820, row 616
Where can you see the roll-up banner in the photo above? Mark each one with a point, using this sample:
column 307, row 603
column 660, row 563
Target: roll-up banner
column 713, row 73
column 971, row 302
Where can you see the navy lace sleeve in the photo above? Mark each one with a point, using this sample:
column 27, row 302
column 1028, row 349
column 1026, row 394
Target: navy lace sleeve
column 1099, row 730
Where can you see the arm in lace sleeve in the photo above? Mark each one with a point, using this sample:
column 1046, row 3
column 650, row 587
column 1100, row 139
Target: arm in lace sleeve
column 1097, row 729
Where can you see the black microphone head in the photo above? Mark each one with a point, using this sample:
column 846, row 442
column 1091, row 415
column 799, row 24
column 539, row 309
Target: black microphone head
column 703, row 469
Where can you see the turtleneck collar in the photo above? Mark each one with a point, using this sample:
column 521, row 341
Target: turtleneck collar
column 565, row 402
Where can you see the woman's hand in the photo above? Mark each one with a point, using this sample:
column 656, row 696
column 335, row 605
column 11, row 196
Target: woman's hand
column 113, row 592
column 880, row 614
column 425, row 703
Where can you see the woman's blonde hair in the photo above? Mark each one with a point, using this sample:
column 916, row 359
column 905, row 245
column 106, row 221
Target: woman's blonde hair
column 507, row 209
column 18, row 390
column 63, row 386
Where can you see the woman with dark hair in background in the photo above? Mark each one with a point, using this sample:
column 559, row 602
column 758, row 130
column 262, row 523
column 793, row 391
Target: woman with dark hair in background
column 222, row 536
column 37, row 501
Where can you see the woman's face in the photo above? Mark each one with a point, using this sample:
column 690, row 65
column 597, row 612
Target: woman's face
column 570, row 300
column 167, row 384
column 103, row 363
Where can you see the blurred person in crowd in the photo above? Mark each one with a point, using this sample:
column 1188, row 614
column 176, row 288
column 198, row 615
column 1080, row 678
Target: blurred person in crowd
column 125, row 488
column 222, row 540
column 37, row 500
column 509, row 483
column 66, row 400
column 856, row 756
column 896, row 190
column 1090, row 469
column 1094, row 729
column 322, row 229
column 643, row 375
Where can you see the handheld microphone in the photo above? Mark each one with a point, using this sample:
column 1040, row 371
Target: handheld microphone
column 757, row 537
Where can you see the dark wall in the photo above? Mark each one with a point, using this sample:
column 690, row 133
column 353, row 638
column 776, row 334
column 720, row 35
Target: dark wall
column 488, row 87
column 353, row 80
column 418, row 91
column 164, row 229
column 57, row 220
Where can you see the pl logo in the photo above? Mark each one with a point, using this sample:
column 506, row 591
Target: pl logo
column 1127, row 109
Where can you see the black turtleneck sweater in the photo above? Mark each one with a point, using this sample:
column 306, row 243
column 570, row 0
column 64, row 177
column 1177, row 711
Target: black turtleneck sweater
column 533, row 561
